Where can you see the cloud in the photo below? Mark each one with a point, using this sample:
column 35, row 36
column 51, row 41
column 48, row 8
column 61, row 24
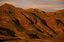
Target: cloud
column 59, row 0
column 40, row 4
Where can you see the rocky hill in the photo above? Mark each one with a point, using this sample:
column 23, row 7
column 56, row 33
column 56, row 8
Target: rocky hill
column 17, row 24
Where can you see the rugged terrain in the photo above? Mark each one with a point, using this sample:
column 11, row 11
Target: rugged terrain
column 30, row 25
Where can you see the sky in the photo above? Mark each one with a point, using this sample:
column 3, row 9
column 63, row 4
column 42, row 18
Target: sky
column 46, row 5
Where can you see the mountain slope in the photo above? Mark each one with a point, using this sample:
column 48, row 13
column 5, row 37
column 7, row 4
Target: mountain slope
column 30, row 23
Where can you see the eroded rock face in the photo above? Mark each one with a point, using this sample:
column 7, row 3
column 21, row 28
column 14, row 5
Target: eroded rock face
column 25, row 25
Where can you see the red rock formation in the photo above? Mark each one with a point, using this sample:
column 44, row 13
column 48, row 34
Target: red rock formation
column 19, row 24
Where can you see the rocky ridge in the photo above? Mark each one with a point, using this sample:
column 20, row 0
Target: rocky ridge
column 18, row 23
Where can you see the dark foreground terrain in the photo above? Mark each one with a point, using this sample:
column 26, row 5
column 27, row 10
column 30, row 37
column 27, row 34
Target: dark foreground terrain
column 30, row 25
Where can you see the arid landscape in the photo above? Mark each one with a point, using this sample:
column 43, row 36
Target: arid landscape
column 30, row 25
